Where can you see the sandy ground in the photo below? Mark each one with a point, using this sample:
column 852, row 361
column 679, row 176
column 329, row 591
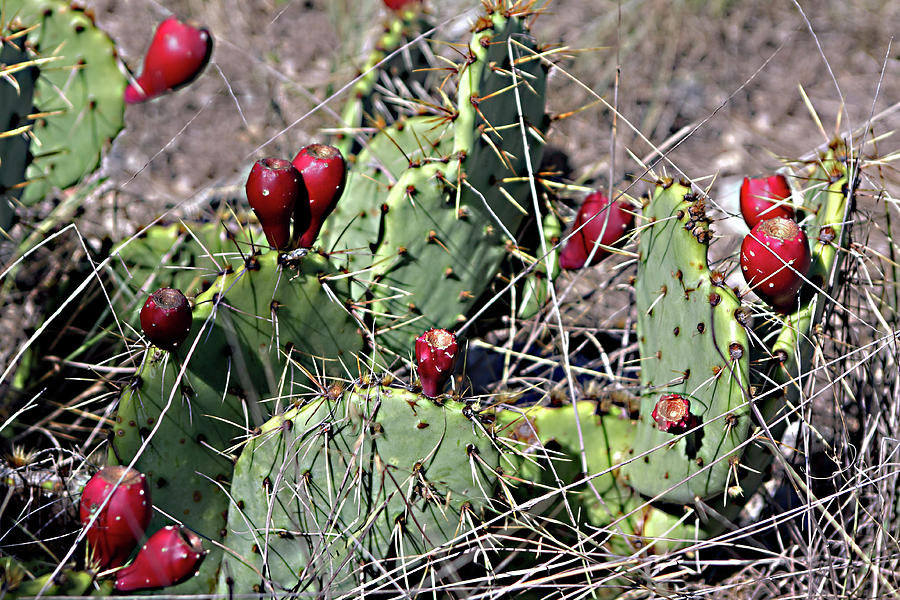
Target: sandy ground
column 731, row 70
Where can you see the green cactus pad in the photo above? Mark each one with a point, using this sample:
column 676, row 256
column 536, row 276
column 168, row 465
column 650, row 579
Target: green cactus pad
column 387, row 78
column 447, row 225
column 607, row 443
column 79, row 96
column 533, row 291
column 15, row 106
column 547, row 453
column 185, row 257
column 826, row 201
column 355, row 225
column 691, row 343
column 437, row 199
column 352, row 483
column 14, row 583
column 237, row 372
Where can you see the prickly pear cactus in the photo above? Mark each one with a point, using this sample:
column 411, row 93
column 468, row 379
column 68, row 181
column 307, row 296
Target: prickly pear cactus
column 436, row 199
column 16, row 96
column 269, row 322
column 546, row 454
column 76, row 99
column 351, row 484
column 692, row 342
column 397, row 68
column 259, row 333
column 693, row 338
column 368, row 478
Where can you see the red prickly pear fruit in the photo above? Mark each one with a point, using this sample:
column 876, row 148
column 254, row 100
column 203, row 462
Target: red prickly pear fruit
column 324, row 173
column 274, row 188
column 176, row 56
column 171, row 556
column 399, row 4
column 765, row 198
column 612, row 221
column 435, row 356
column 122, row 522
column 672, row 414
column 764, row 252
column 166, row 318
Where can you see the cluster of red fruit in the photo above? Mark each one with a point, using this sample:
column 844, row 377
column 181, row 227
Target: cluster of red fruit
column 115, row 509
column 306, row 189
column 775, row 255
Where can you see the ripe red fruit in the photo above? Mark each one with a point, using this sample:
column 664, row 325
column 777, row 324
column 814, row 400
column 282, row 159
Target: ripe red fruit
column 122, row 522
column 765, row 198
column 274, row 188
column 324, row 173
column 166, row 318
column 435, row 356
column 176, row 56
column 399, row 4
column 171, row 556
column 764, row 252
column 672, row 414
column 611, row 222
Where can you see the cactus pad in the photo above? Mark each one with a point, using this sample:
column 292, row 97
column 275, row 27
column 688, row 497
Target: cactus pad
column 437, row 199
column 78, row 94
column 16, row 97
column 351, row 484
column 547, row 454
column 691, row 343
column 395, row 68
column 257, row 334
